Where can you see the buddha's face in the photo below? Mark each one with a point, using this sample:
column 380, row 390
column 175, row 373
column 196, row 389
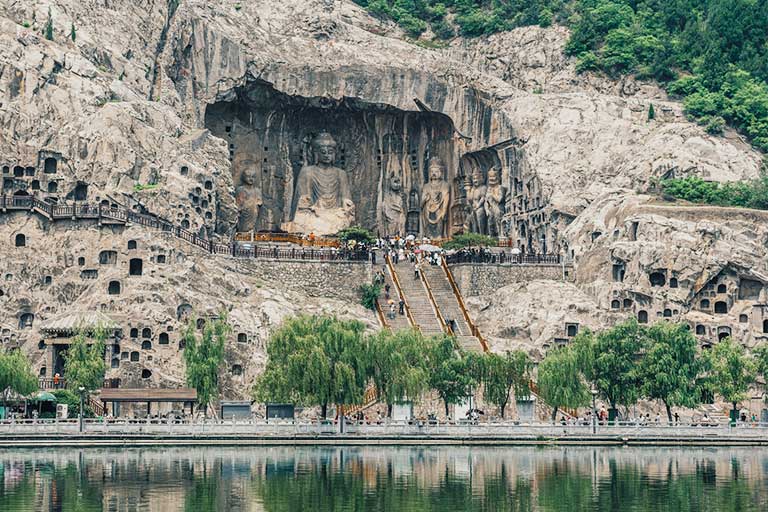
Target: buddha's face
column 249, row 176
column 477, row 178
column 395, row 182
column 436, row 171
column 326, row 153
column 493, row 177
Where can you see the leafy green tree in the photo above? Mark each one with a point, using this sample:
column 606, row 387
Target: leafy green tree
column 451, row 372
column 651, row 113
column 670, row 368
column 730, row 371
column 315, row 360
column 500, row 374
column 73, row 33
column 15, row 375
column 560, row 381
column 72, row 400
column 357, row 234
column 84, row 364
column 398, row 367
column 610, row 361
column 369, row 293
column 470, row 240
column 204, row 356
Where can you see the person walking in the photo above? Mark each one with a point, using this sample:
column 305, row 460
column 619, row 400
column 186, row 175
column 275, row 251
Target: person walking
column 416, row 270
column 402, row 306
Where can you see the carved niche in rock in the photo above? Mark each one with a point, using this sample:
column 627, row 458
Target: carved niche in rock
column 379, row 149
column 322, row 201
column 435, row 199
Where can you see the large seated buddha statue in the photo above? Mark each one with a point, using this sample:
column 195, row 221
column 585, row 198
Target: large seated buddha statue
column 322, row 201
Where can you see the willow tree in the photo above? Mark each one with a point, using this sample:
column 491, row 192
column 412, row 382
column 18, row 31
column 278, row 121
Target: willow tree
column 452, row 373
column 560, row 380
column 15, row 375
column 501, row 374
column 670, row 367
column 730, row 372
column 398, row 366
column 315, row 360
column 204, row 356
column 84, row 364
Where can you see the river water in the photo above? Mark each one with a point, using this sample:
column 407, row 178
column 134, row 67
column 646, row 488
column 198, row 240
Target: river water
column 393, row 479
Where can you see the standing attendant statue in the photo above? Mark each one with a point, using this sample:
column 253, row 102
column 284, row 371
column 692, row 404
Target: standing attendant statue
column 435, row 199
column 495, row 207
column 249, row 201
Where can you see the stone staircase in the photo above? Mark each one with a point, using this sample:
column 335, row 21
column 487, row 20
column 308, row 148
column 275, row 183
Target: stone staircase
column 421, row 309
column 400, row 321
column 448, row 304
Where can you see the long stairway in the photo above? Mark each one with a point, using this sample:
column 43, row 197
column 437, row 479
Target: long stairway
column 421, row 310
column 400, row 321
column 447, row 302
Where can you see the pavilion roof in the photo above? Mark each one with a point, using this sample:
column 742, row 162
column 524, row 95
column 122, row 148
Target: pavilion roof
column 74, row 322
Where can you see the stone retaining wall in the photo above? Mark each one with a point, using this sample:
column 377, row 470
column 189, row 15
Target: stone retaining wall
column 333, row 279
column 475, row 279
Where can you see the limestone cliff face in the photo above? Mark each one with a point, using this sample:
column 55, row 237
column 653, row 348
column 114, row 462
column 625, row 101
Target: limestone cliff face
column 161, row 106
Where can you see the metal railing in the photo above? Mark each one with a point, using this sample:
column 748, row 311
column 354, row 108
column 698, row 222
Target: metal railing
column 502, row 258
column 236, row 249
column 493, row 430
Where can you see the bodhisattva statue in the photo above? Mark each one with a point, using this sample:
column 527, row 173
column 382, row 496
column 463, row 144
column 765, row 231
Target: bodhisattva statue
column 393, row 204
column 476, row 202
column 495, row 205
column 435, row 199
column 322, row 199
column 249, row 201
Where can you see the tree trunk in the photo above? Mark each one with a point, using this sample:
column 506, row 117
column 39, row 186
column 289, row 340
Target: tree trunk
column 447, row 412
column 554, row 414
column 389, row 410
column 669, row 411
column 735, row 413
column 324, row 410
column 503, row 406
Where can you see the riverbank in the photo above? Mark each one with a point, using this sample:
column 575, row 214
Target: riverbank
column 142, row 433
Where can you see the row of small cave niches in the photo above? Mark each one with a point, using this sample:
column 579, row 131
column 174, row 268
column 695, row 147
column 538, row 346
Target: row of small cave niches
column 18, row 177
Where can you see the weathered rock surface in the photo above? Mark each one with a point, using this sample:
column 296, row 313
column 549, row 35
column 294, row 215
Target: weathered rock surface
column 123, row 115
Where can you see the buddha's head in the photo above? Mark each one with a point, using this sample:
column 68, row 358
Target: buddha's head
column 493, row 176
column 324, row 148
column 436, row 170
column 477, row 178
column 249, row 176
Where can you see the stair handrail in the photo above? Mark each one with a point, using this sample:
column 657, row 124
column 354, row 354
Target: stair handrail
column 473, row 327
column 380, row 314
column 400, row 293
column 444, row 326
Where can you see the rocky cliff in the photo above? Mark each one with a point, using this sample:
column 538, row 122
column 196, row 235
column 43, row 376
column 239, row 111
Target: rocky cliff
column 164, row 107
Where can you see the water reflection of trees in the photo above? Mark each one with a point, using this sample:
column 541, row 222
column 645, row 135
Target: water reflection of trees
column 386, row 478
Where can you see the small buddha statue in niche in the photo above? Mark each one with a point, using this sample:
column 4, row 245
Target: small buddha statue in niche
column 249, row 200
column 435, row 200
column 393, row 203
column 477, row 199
column 322, row 199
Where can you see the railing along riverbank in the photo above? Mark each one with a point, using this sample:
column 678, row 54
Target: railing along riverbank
column 215, row 431
column 110, row 214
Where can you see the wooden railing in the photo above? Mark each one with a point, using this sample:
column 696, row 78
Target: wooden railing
column 101, row 212
column 380, row 314
column 445, row 327
column 400, row 293
column 460, row 300
column 46, row 383
column 290, row 238
column 369, row 399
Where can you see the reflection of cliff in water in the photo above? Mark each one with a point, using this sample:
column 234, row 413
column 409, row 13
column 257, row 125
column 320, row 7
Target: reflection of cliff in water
column 402, row 479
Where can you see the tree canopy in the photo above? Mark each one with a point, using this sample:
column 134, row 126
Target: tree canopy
column 84, row 364
column 16, row 375
column 398, row 367
column 451, row 372
column 204, row 355
column 470, row 240
column 560, row 381
column 670, row 367
column 501, row 374
column 730, row 371
column 315, row 360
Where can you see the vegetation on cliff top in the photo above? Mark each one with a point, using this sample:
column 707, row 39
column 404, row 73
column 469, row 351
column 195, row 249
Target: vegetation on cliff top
column 712, row 53
column 745, row 194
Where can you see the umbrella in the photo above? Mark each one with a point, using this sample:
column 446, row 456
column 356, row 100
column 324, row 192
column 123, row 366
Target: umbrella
column 429, row 248
column 410, row 237
column 44, row 396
